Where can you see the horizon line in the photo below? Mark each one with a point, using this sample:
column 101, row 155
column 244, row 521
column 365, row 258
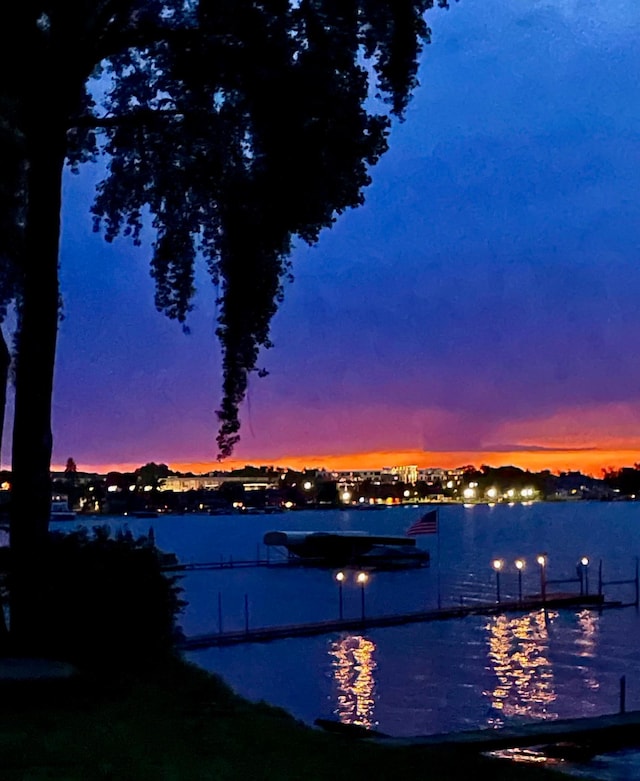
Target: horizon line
column 589, row 461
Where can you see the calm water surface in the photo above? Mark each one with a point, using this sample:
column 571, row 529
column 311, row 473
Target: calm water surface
column 433, row 677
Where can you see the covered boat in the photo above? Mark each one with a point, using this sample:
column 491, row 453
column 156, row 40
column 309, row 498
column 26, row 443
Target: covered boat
column 343, row 549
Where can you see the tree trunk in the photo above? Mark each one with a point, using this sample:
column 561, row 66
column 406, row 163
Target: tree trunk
column 35, row 356
column 5, row 362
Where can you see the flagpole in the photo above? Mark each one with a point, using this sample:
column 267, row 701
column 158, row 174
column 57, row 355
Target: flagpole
column 438, row 572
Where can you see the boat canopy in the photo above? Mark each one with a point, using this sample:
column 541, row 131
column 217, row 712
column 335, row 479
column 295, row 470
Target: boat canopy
column 334, row 546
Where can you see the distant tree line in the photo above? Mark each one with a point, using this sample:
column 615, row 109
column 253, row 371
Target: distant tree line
column 126, row 492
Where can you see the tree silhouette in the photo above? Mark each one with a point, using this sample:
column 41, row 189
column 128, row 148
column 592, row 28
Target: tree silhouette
column 235, row 125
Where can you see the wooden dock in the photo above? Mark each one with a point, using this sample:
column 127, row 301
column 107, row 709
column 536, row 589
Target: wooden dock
column 229, row 563
column 269, row 633
column 573, row 739
column 579, row 738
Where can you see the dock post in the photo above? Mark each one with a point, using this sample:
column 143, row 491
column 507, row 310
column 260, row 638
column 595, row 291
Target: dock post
column 519, row 566
column 246, row 613
column 542, row 562
column 623, row 693
column 340, row 576
column 600, row 578
column 362, row 578
column 580, row 574
column 497, row 565
column 219, row 612
column 637, row 585
column 584, row 566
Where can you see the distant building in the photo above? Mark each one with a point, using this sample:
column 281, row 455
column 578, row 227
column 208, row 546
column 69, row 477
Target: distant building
column 406, row 474
column 436, row 475
column 180, row 484
column 79, row 478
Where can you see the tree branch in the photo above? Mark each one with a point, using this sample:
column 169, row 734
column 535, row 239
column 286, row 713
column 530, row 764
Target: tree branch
column 143, row 116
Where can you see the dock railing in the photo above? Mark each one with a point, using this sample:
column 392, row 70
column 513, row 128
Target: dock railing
column 635, row 582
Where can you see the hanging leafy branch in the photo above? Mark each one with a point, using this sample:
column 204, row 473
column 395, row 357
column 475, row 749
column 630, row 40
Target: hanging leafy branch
column 256, row 129
column 238, row 126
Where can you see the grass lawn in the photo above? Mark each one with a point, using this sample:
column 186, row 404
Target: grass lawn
column 182, row 724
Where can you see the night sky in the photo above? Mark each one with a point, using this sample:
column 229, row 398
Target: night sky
column 482, row 307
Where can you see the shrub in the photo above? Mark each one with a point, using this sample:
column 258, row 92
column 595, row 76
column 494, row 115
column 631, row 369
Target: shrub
column 107, row 603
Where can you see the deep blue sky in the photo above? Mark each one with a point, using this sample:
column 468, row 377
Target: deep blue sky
column 486, row 296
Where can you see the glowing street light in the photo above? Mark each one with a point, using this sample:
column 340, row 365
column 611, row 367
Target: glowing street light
column 340, row 577
column 542, row 561
column 307, row 485
column 362, row 578
column 497, row 565
column 583, row 567
column 519, row 566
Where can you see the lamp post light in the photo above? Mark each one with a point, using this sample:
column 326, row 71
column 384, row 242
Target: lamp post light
column 542, row 561
column 340, row 577
column 497, row 565
column 584, row 569
column 519, row 566
column 362, row 579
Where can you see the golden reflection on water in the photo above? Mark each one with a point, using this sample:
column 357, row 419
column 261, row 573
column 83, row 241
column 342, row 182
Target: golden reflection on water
column 518, row 656
column 353, row 665
column 588, row 625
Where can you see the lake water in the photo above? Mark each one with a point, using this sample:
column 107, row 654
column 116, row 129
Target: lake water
column 431, row 677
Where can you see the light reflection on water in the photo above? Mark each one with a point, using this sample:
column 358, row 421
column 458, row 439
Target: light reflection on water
column 587, row 645
column 518, row 651
column 354, row 667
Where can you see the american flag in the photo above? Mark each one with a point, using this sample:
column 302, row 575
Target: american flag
column 426, row 524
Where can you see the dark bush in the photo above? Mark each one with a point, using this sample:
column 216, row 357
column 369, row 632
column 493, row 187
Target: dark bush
column 107, row 603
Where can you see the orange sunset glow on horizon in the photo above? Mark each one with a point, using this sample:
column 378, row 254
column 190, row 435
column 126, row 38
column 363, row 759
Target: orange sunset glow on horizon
column 591, row 461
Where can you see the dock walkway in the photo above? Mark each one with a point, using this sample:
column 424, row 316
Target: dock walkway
column 269, row 633
column 590, row 735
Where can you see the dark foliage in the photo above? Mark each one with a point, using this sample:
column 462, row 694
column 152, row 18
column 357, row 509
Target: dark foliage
column 107, row 604
column 239, row 126
column 626, row 481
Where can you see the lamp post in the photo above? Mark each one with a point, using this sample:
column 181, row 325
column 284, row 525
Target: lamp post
column 542, row 561
column 584, row 565
column 362, row 579
column 340, row 576
column 497, row 565
column 519, row 566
